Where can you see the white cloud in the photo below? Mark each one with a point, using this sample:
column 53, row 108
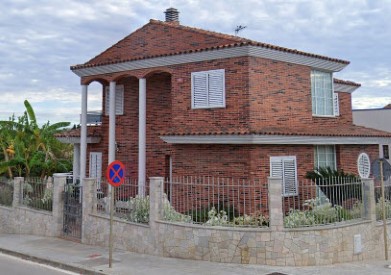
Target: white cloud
column 40, row 39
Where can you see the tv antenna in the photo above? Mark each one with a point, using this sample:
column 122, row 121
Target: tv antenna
column 239, row 28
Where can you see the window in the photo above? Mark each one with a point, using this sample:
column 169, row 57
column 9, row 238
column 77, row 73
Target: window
column 364, row 165
column 285, row 168
column 208, row 89
column 325, row 157
column 324, row 100
column 119, row 100
column 386, row 152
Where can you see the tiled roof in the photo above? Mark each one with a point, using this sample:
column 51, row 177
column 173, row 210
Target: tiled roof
column 92, row 131
column 345, row 131
column 346, row 82
column 233, row 41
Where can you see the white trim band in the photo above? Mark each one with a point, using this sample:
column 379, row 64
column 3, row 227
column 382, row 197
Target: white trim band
column 254, row 51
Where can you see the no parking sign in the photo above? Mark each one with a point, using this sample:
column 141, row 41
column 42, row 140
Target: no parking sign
column 115, row 173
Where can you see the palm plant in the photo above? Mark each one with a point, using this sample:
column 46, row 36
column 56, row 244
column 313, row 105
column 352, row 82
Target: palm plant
column 30, row 150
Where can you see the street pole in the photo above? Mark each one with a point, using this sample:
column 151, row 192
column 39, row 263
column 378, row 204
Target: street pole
column 112, row 193
column 384, row 212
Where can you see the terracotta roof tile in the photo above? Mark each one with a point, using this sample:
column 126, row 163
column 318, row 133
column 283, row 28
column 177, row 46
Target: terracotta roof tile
column 92, row 131
column 349, row 131
column 234, row 41
column 346, row 82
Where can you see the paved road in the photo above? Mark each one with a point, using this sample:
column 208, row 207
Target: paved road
column 11, row 265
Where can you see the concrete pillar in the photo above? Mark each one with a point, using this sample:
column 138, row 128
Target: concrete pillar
column 18, row 191
column 59, row 181
column 275, row 204
column 156, row 190
column 156, row 198
column 142, row 136
column 88, row 207
column 83, row 134
column 369, row 203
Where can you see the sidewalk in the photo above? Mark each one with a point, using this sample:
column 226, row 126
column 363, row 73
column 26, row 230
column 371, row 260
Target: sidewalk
column 85, row 259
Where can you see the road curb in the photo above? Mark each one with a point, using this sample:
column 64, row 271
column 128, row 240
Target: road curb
column 53, row 263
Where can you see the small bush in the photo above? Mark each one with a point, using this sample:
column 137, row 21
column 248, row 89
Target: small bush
column 6, row 195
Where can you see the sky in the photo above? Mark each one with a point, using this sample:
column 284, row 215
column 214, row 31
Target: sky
column 41, row 39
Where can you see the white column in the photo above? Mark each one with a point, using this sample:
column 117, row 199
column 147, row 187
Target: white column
column 83, row 134
column 142, row 119
column 76, row 161
column 112, row 122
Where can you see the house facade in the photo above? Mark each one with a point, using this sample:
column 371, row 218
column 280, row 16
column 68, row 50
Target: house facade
column 181, row 101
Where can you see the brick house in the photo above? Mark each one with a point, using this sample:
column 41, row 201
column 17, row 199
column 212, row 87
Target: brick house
column 196, row 102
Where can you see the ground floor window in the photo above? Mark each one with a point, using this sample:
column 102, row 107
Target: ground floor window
column 386, row 152
column 285, row 168
column 325, row 156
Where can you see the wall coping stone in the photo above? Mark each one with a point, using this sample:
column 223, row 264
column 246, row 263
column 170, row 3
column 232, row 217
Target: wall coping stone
column 115, row 219
column 35, row 210
column 216, row 227
column 328, row 226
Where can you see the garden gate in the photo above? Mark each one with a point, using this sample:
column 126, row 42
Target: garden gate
column 72, row 210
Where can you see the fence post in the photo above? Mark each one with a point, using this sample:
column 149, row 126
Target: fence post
column 18, row 195
column 89, row 194
column 275, row 204
column 155, row 197
column 59, row 181
column 369, row 203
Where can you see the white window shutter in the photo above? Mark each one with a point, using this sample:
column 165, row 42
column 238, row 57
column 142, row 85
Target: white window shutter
column 276, row 167
column 289, row 177
column 119, row 100
column 199, row 85
column 336, row 104
column 208, row 89
column 285, row 168
column 216, row 89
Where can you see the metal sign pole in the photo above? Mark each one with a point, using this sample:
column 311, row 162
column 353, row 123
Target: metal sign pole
column 384, row 212
column 112, row 193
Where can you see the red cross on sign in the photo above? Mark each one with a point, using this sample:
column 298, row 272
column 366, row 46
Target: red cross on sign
column 115, row 173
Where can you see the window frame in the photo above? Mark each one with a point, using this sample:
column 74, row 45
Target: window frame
column 386, row 151
column 316, row 156
column 332, row 99
column 207, row 75
column 119, row 100
column 283, row 159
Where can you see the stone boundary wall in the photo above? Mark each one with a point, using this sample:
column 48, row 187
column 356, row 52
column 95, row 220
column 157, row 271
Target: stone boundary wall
column 344, row 242
column 20, row 219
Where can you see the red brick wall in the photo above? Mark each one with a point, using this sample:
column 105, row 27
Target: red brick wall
column 281, row 97
column 158, row 119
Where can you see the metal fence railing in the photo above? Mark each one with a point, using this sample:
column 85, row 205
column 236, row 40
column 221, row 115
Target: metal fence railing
column 37, row 193
column 379, row 199
column 6, row 191
column 216, row 201
column 129, row 203
column 324, row 201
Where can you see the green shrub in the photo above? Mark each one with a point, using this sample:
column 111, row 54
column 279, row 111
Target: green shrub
column 379, row 209
column 6, row 195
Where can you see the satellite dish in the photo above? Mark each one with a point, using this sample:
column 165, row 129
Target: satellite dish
column 377, row 171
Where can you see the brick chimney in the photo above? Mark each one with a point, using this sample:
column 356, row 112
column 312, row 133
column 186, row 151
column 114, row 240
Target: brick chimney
column 172, row 15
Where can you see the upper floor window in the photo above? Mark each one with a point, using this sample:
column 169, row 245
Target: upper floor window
column 119, row 100
column 208, row 89
column 323, row 99
column 325, row 156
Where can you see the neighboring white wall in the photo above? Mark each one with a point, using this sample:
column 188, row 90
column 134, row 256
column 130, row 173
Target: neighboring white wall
column 379, row 119
column 373, row 118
